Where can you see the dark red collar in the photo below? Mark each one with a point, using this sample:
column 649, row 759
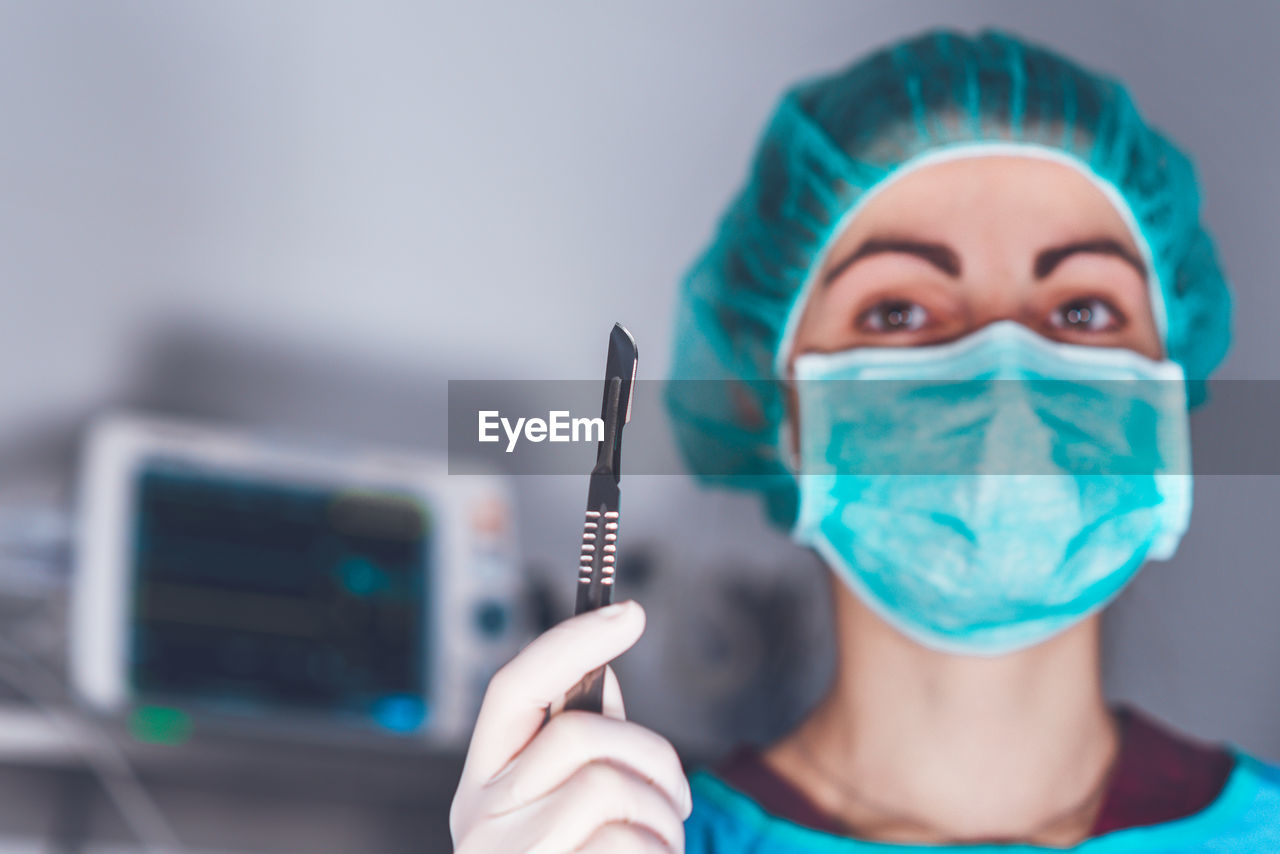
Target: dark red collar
column 1158, row 776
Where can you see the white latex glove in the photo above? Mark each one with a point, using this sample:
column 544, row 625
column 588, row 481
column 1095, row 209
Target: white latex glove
column 582, row 783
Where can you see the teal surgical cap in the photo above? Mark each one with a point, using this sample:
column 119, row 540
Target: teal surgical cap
column 835, row 139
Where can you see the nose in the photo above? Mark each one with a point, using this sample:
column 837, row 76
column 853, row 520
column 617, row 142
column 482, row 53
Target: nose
column 993, row 304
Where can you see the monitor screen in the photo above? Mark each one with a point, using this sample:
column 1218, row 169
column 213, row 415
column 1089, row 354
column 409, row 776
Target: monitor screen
column 261, row 597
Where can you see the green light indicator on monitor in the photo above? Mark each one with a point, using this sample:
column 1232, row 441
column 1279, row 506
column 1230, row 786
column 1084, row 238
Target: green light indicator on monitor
column 160, row 725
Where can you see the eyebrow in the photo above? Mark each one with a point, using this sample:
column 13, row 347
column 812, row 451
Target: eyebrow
column 938, row 254
column 1048, row 260
column 945, row 258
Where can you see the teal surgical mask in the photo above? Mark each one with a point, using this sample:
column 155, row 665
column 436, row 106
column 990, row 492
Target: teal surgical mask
column 985, row 494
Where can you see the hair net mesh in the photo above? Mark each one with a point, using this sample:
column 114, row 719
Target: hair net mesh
column 832, row 139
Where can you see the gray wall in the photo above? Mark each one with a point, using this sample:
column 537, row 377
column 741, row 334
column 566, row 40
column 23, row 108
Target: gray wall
column 399, row 193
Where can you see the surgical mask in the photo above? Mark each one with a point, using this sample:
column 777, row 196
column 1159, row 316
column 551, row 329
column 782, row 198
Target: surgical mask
column 986, row 494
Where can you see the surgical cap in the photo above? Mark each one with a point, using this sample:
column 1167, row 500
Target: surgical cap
column 833, row 140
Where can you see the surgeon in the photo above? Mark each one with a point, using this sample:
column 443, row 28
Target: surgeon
column 950, row 330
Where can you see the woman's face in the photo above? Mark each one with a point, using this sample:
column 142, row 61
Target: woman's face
column 956, row 245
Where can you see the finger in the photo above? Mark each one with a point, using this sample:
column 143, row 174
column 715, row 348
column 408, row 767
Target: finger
column 513, row 708
column 618, row 838
column 613, row 706
column 611, row 702
column 574, row 740
column 596, row 795
column 599, row 794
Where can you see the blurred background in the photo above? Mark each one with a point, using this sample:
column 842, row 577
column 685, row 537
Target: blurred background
column 290, row 224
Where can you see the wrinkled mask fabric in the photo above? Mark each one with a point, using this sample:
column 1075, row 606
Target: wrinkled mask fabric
column 986, row 494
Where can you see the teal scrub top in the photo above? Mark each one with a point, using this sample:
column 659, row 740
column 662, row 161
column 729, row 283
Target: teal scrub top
column 1244, row 817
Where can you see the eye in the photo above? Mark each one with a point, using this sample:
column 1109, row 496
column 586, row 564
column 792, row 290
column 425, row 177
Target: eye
column 893, row 316
column 1090, row 314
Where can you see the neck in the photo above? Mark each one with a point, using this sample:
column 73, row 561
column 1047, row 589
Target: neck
column 921, row 746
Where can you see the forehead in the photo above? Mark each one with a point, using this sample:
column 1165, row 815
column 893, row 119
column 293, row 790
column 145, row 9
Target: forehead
column 1013, row 198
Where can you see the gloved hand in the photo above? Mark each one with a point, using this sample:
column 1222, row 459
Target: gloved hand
column 582, row 783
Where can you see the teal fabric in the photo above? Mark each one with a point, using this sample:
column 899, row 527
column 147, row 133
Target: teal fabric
column 1244, row 818
column 833, row 139
column 985, row 494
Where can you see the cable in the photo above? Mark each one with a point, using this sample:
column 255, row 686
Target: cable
column 34, row 542
column 98, row 749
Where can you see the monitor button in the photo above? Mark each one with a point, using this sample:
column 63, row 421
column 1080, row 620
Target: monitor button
column 491, row 618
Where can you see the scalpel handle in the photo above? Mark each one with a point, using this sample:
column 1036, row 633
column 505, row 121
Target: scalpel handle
column 597, row 572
